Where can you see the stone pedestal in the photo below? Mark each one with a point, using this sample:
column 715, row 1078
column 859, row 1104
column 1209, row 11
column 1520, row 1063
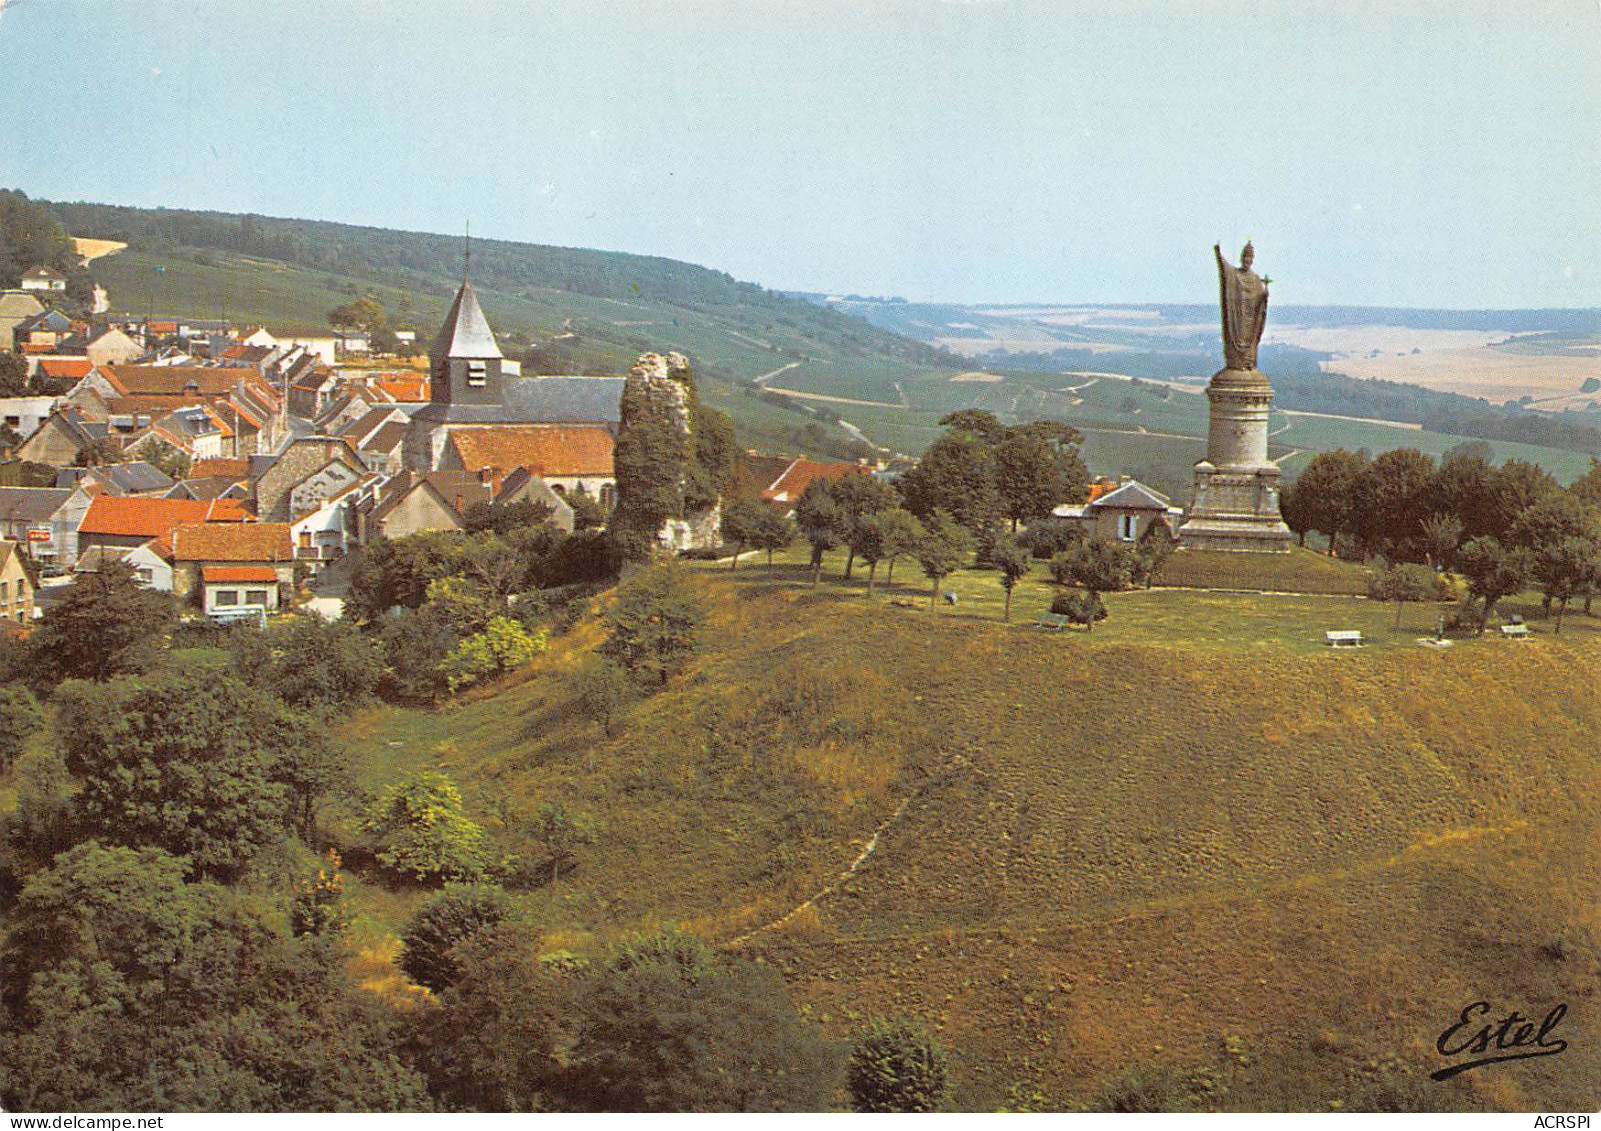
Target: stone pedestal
column 1236, row 503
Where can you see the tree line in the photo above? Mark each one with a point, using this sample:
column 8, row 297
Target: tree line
column 1504, row 529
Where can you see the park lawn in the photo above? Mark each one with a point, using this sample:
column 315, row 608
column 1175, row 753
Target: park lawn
column 1299, row 571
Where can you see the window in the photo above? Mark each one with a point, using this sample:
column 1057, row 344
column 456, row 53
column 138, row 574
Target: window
column 225, row 597
column 5, row 590
column 608, row 497
column 255, row 596
column 477, row 373
column 1127, row 527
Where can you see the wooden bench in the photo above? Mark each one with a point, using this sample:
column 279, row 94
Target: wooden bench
column 1053, row 621
column 1344, row 638
column 1515, row 631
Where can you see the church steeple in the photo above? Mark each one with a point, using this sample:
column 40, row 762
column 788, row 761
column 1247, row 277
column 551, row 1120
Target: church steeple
column 466, row 361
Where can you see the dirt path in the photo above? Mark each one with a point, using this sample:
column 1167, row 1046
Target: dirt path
column 830, row 400
column 769, row 376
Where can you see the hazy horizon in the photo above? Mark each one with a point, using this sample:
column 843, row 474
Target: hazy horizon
column 997, row 152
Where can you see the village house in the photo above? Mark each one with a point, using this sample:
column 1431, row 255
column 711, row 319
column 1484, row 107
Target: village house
column 62, row 437
column 324, row 344
column 58, row 367
column 112, row 347
column 151, row 563
column 1121, row 513
column 16, row 307
column 43, row 278
column 209, row 559
column 420, row 502
column 16, row 585
column 131, row 521
column 134, row 478
column 328, row 529
column 24, row 415
column 274, row 482
column 783, row 479
column 44, row 522
column 41, row 332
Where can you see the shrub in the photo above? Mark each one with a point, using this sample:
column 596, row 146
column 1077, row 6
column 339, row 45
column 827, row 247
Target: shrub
column 429, row 940
column 318, row 906
column 1052, row 536
column 502, row 645
column 423, row 832
column 896, row 1066
column 20, row 719
column 603, row 691
column 655, row 624
column 1080, row 606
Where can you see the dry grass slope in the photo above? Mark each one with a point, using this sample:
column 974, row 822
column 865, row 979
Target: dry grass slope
column 1276, row 872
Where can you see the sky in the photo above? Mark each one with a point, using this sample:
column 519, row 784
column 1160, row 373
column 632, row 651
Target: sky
column 1407, row 153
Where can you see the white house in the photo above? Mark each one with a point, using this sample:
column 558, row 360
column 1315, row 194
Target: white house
column 43, row 278
column 151, row 565
column 323, row 343
column 23, row 415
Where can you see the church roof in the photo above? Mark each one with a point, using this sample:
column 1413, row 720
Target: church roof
column 540, row 400
column 466, row 331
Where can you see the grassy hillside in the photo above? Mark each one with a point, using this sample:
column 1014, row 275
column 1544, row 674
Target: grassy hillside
column 1194, row 843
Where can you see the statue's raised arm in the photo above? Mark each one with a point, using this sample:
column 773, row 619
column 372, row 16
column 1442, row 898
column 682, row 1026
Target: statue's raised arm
column 1244, row 303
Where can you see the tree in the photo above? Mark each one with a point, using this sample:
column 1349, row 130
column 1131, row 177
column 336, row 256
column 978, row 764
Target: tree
column 110, row 950
column 424, row 833
column 503, row 644
column 1565, row 569
column 20, row 719
column 1555, row 517
column 740, row 520
column 821, row 521
column 773, row 531
column 1328, row 486
column 191, row 760
column 107, row 624
column 1442, row 534
column 1037, row 467
column 1053, row 536
column 429, row 941
column 366, row 313
column 1105, row 567
column 943, row 550
column 900, row 533
column 956, row 475
column 1516, row 486
column 588, row 514
column 1298, row 508
column 1587, row 488
column 312, row 665
column 867, row 542
column 1393, row 497
column 1493, row 571
column 859, row 496
column 897, row 1066
column 654, row 624
column 659, row 1029
column 99, row 452
column 604, row 690
column 1152, row 551
column 1463, row 487
column 1402, row 582
column 412, row 646
column 563, row 831
column 1014, row 562
column 13, row 372
column 486, row 1042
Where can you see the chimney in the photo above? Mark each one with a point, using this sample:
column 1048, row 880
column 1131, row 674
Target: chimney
column 460, row 508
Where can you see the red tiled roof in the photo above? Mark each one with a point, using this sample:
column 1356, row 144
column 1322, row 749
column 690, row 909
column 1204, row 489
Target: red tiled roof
column 545, row 450
column 409, row 387
column 238, row 573
column 789, row 486
column 232, row 542
column 68, row 367
column 220, row 466
column 160, row 327
column 171, row 380
column 136, row 516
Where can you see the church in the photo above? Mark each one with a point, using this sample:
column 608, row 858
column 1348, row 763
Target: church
column 483, row 416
